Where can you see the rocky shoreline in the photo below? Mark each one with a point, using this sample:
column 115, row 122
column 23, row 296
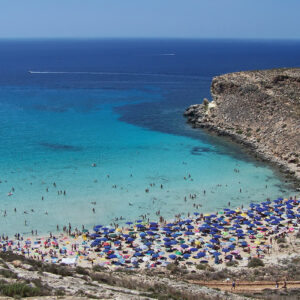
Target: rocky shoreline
column 259, row 110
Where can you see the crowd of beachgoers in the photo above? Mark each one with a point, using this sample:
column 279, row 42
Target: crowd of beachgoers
column 229, row 235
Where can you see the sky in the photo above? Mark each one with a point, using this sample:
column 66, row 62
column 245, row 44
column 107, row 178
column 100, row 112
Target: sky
column 261, row 19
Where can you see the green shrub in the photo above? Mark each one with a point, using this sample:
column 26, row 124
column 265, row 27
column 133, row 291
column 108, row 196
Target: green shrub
column 98, row 268
column 233, row 263
column 82, row 271
column 19, row 290
column 201, row 267
column 173, row 268
column 8, row 273
column 255, row 262
column 281, row 241
column 56, row 269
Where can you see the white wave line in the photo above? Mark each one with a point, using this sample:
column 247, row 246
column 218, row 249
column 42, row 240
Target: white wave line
column 111, row 73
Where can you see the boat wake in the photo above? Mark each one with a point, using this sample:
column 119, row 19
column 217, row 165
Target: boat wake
column 112, row 73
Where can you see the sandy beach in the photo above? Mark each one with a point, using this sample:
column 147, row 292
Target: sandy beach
column 230, row 236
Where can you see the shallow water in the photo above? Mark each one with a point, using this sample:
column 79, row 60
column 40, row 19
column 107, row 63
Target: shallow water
column 54, row 126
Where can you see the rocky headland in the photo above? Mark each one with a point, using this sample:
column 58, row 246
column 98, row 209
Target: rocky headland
column 259, row 109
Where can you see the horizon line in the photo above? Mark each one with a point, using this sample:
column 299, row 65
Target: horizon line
column 152, row 38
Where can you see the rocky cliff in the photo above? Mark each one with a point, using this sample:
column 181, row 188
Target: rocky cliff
column 260, row 109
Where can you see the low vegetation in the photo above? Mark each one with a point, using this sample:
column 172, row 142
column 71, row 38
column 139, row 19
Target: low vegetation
column 255, row 262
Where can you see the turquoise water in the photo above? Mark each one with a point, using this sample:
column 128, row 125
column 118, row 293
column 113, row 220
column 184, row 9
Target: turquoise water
column 53, row 127
column 69, row 141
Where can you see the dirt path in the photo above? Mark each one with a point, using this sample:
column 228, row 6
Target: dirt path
column 246, row 286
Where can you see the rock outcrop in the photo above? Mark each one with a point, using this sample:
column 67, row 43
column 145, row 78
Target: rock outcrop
column 260, row 109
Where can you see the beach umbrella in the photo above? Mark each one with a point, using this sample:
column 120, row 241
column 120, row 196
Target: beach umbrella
column 193, row 249
column 215, row 241
column 96, row 228
column 189, row 233
column 225, row 250
column 184, row 246
column 186, row 255
column 201, row 254
column 155, row 255
column 172, row 256
column 216, row 253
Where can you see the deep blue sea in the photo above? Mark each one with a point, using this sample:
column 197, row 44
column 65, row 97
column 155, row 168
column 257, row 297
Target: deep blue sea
column 68, row 104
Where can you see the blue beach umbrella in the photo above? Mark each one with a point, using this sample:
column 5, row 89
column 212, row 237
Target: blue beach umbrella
column 94, row 235
column 201, row 254
column 193, row 249
column 189, row 233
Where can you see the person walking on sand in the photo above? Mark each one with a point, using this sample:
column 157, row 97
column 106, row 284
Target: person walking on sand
column 284, row 285
column 233, row 286
column 277, row 284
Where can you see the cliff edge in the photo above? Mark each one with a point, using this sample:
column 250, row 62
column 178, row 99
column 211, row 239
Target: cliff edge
column 260, row 109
